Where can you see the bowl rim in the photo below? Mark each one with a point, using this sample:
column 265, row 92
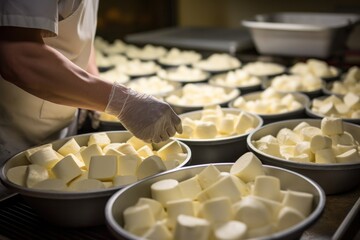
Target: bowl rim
column 213, row 141
column 70, row 195
column 299, row 165
column 308, row 221
column 299, row 95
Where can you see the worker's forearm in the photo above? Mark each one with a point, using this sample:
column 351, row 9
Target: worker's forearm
column 45, row 73
column 92, row 67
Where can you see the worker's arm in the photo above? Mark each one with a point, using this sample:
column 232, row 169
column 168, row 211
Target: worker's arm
column 92, row 67
column 44, row 72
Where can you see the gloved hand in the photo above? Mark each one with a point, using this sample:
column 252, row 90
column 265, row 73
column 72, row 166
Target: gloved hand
column 143, row 115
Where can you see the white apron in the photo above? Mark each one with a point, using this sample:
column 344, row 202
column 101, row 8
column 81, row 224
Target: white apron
column 26, row 120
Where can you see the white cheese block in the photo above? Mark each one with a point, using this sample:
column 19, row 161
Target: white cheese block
column 190, row 188
column 138, row 143
column 87, row 153
column 331, row 126
column 287, row 137
column 128, row 164
column 208, row 176
column 319, row 142
column 231, row 230
column 225, row 186
column 124, row 180
column 217, row 210
column 307, row 133
column 244, row 122
column 267, row 187
column 138, row 217
column 51, row 184
column 166, row 190
column 103, row 167
column 188, row 227
column 150, row 166
column 339, row 149
column 247, row 167
column 85, row 185
column 156, row 207
column 113, row 152
column 101, row 139
column 17, row 175
column 35, row 174
column 348, row 157
column 31, row 151
column 205, row 130
column 226, row 125
column 171, row 163
column 158, row 231
column 300, row 201
column 176, row 207
column 343, row 139
column 145, row 151
column 45, row 157
column 300, row 126
column 351, row 99
column 269, row 148
column 169, row 149
column 288, row 217
column 70, row 146
column 325, row 156
column 67, row 169
column 304, row 147
column 273, row 206
column 252, row 212
column 113, row 146
column 127, row 149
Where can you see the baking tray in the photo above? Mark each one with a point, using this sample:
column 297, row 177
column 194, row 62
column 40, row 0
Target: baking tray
column 301, row 34
column 228, row 40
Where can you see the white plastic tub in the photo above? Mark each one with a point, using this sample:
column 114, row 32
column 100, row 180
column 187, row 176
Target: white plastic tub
column 301, row 34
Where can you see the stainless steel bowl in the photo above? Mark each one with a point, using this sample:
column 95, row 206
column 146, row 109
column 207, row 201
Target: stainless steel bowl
column 179, row 109
column 269, row 118
column 313, row 114
column 333, row 178
column 289, row 180
column 182, row 80
column 225, row 149
column 70, row 209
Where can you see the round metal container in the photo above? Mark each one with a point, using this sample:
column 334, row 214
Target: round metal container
column 269, row 118
column 313, row 114
column 289, row 180
column 71, row 209
column 182, row 80
column 225, row 149
column 179, row 109
column 333, row 178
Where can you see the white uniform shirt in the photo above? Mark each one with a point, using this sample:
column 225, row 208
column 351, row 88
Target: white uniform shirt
column 68, row 26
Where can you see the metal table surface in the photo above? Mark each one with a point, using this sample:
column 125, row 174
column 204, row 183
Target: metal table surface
column 19, row 221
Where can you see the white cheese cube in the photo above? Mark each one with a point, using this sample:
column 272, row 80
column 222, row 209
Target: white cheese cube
column 176, row 207
column 124, row 180
column 211, row 118
column 288, row 217
column 247, row 167
column 145, row 151
column 70, row 146
column 287, row 137
column 158, row 231
column 156, row 207
column 101, row 139
column 351, row 99
column 287, row 151
column 319, row 142
column 225, row 186
column 300, row 126
column 303, row 147
column 87, row 153
column 188, row 227
column 35, row 174
column 137, row 218
column 267, row 187
column 113, row 152
column 343, row 139
column 190, row 188
column 86, row 185
column 45, row 157
column 205, row 130
column 226, row 125
column 272, row 149
column 348, row 157
column 138, row 143
column 332, row 126
column 252, row 212
column 128, row 164
column 307, row 133
column 51, row 184
column 300, row 201
column 67, row 169
column 103, row 167
column 208, row 176
column 273, row 206
column 113, row 146
column 325, row 156
column 150, row 166
column 230, row 230
column 171, row 163
column 340, row 149
column 166, row 190
column 217, row 210
column 31, row 151
column 127, row 149
column 244, row 122
column 17, row 175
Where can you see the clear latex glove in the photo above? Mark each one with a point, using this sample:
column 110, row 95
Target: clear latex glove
column 143, row 115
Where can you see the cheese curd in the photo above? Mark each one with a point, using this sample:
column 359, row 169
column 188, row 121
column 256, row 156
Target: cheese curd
column 215, row 122
column 152, row 85
column 349, row 84
column 136, row 67
column 269, row 102
column 218, row 210
column 183, row 74
column 176, row 57
column 97, row 165
column 117, row 47
column 293, row 83
column 114, row 75
column 148, row 52
column 263, row 68
column 237, row 78
column 218, row 62
column 314, row 67
column 347, row 106
column 201, row 95
column 329, row 144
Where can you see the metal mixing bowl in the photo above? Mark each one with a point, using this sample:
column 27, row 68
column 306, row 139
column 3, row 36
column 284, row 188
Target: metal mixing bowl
column 333, row 178
column 269, row 118
column 225, row 149
column 71, row 209
column 289, row 180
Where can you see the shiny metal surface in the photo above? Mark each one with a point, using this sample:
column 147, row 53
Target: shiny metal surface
column 333, row 178
column 71, row 209
column 289, row 180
